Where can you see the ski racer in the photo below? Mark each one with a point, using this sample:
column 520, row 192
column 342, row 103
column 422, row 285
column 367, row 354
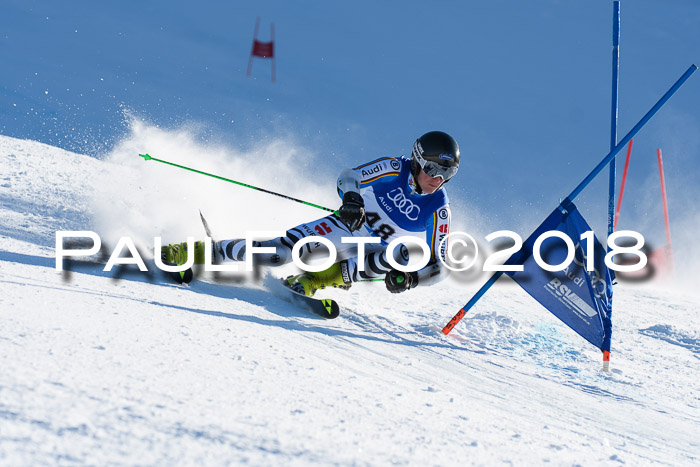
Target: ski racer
column 386, row 198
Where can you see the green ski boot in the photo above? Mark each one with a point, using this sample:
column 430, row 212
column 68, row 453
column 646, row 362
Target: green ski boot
column 309, row 282
column 175, row 254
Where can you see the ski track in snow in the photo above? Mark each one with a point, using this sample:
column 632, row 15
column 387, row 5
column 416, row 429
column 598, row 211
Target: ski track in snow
column 136, row 370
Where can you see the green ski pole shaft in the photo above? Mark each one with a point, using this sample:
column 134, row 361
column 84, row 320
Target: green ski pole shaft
column 149, row 158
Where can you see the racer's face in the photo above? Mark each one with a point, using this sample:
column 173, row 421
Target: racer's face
column 429, row 184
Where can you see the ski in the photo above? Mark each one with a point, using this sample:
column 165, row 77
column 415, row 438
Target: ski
column 207, row 230
column 326, row 308
column 182, row 277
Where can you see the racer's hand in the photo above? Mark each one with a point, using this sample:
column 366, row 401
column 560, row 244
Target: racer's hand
column 398, row 281
column 352, row 212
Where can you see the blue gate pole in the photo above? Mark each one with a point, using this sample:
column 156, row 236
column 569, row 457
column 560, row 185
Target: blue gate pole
column 613, row 142
column 613, row 113
column 595, row 172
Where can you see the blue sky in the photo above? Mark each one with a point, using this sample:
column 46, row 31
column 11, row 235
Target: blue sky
column 523, row 86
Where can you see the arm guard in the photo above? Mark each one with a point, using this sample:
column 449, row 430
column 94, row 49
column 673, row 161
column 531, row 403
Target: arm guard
column 348, row 180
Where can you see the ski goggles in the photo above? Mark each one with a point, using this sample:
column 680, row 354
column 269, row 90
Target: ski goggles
column 433, row 169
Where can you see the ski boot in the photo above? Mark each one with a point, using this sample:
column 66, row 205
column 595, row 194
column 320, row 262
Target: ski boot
column 309, row 282
column 175, row 254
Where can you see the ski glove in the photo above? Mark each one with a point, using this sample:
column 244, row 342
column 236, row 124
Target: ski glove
column 352, row 212
column 398, row 281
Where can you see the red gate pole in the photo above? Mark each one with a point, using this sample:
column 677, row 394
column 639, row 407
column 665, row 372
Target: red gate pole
column 669, row 251
column 272, row 41
column 622, row 186
column 255, row 38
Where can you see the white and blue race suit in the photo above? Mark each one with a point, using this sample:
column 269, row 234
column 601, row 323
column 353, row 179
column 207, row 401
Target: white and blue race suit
column 393, row 209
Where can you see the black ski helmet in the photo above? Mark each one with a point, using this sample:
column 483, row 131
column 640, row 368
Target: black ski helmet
column 437, row 153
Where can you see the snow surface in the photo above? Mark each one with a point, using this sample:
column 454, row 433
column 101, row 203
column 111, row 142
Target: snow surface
column 101, row 370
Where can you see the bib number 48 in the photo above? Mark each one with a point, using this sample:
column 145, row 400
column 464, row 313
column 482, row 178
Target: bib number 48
column 383, row 231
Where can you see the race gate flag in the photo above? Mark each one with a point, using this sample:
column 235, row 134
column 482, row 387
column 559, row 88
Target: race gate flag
column 581, row 299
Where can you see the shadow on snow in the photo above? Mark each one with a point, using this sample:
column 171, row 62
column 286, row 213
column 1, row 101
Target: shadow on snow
column 258, row 297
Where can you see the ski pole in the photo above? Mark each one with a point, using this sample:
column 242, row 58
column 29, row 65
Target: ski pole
column 149, row 158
